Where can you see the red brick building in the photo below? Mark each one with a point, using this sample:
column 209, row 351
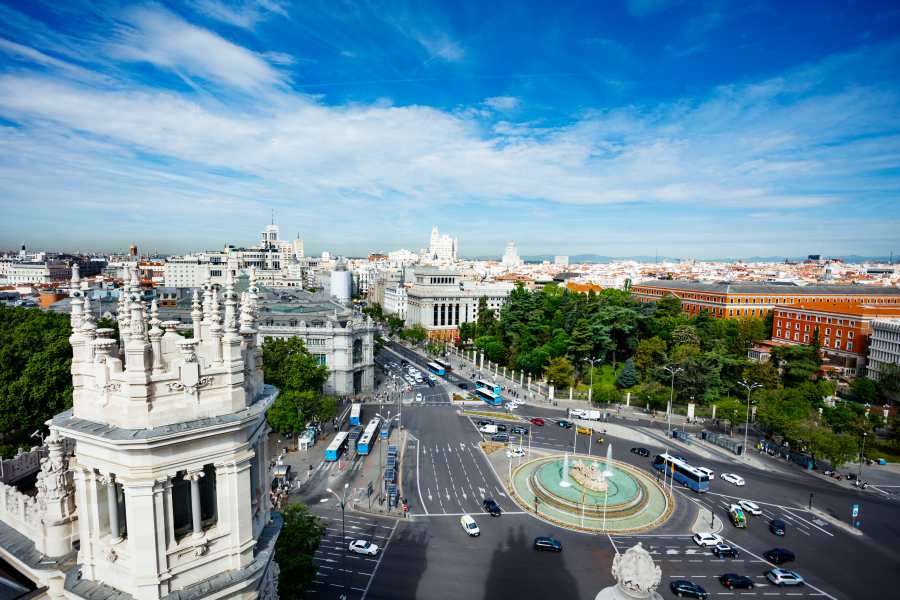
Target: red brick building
column 844, row 329
column 750, row 299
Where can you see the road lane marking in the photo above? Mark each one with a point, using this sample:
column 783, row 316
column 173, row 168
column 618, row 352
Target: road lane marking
column 822, row 592
column 378, row 562
column 418, row 487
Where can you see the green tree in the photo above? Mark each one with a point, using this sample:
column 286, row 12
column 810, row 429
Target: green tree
column 864, row 390
column 299, row 539
column 654, row 395
column 35, row 373
column 797, row 363
column 434, row 349
column 394, row 325
column 416, row 334
column 485, row 318
column 628, row 375
column 559, row 372
column 668, row 306
column 606, row 393
column 288, row 365
column 685, row 334
column 731, row 410
column 889, row 381
column 375, row 311
column 763, row 373
column 650, row 354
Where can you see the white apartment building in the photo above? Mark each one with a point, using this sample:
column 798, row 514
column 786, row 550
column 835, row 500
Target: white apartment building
column 395, row 300
column 511, row 256
column 442, row 248
column 884, row 345
column 16, row 272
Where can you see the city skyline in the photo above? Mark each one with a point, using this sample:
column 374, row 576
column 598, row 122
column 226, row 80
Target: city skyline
column 644, row 126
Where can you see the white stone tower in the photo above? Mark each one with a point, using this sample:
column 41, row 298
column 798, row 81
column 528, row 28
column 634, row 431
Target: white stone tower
column 170, row 464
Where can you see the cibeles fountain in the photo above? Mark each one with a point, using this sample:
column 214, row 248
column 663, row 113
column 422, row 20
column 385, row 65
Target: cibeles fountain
column 636, row 575
column 580, row 492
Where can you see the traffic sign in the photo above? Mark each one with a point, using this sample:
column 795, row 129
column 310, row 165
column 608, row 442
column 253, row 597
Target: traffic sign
column 855, row 510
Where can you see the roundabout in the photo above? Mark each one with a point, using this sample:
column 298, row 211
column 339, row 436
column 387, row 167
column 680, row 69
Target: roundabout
column 591, row 494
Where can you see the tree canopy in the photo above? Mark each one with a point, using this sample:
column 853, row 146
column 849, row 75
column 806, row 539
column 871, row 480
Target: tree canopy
column 289, row 366
column 299, row 539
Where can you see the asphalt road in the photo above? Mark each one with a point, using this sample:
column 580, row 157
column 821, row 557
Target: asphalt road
column 429, row 556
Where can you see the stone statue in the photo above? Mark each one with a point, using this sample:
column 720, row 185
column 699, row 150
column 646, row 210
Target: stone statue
column 636, row 574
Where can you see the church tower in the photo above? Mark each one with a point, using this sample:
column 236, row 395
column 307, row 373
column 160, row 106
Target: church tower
column 170, row 465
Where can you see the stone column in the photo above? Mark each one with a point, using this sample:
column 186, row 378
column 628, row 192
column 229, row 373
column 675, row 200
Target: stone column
column 194, row 478
column 112, row 507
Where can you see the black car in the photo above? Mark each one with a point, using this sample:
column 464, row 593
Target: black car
column 491, row 507
column 501, row 427
column 688, row 589
column 778, row 556
column 640, row 451
column 725, row 551
column 484, row 422
column 429, row 382
column 500, row 437
column 403, row 362
column 564, row 424
column 777, row 526
column 519, row 430
column 463, row 386
column 547, row 543
column 733, row 581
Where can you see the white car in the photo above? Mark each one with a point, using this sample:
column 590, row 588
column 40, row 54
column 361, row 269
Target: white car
column 363, row 547
column 751, row 507
column 708, row 472
column 431, row 377
column 515, row 452
column 469, row 526
column 784, row 577
column 732, row 478
column 707, row 540
column 419, row 397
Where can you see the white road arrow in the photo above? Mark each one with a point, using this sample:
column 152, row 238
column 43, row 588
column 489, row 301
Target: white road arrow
column 482, row 491
column 464, row 496
column 429, row 494
column 447, row 492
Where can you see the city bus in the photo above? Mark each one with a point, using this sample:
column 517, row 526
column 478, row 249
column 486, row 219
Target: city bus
column 682, row 472
column 436, row 369
column 488, row 396
column 483, row 383
column 369, row 436
column 355, row 412
column 444, row 364
column 386, row 429
column 337, row 446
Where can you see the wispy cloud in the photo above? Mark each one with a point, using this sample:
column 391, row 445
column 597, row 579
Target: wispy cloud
column 157, row 36
column 503, row 103
column 240, row 13
column 442, row 46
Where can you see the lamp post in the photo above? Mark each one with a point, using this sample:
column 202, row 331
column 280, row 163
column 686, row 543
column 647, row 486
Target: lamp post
column 591, row 360
column 343, row 501
column 749, row 387
column 673, row 371
column 862, row 453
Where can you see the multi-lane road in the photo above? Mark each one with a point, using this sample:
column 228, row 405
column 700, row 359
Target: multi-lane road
column 445, row 475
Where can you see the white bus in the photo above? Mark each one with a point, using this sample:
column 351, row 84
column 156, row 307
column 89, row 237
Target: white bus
column 337, row 446
column 368, row 437
column 355, row 412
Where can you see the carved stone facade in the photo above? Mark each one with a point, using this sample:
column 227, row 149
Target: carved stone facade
column 636, row 575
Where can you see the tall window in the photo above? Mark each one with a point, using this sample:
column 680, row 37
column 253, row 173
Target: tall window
column 181, row 505
column 357, row 351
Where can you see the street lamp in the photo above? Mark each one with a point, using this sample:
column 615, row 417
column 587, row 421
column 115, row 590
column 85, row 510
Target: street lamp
column 673, row 371
column 343, row 502
column 862, row 453
column 749, row 387
column 591, row 360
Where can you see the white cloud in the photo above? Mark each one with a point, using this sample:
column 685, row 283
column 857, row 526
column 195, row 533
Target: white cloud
column 240, row 13
column 503, row 103
column 159, row 37
column 441, row 46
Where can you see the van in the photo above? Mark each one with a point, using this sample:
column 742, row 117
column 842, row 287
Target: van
column 489, row 429
column 737, row 516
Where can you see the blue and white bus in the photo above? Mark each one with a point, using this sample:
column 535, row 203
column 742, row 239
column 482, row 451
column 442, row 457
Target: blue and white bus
column 386, row 429
column 368, row 438
column 488, row 396
column 683, row 473
column 436, row 369
column 490, row 385
column 444, row 364
column 337, row 446
column 355, row 412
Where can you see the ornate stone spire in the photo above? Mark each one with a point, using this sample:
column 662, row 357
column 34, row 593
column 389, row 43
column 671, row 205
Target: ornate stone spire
column 196, row 315
column 230, row 305
column 207, row 300
column 75, row 293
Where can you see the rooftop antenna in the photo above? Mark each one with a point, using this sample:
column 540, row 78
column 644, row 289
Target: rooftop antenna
column 273, row 216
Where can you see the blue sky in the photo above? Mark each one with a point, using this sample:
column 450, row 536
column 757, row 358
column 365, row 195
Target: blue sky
column 695, row 129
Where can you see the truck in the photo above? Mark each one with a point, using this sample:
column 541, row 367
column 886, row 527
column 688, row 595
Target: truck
column 589, row 415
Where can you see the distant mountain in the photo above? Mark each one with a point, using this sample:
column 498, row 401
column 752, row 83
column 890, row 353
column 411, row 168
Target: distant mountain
column 597, row 258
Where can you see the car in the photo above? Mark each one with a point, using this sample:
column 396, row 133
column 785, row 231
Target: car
column 778, row 527
column 584, row 430
column 547, row 543
column 732, row 478
column 778, row 556
column 781, row 577
column 469, row 526
column 419, row 397
column 733, row 581
column 564, row 424
column 725, row 551
column 708, row 472
column 363, row 547
column 519, row 430
column 503, row 438
column 751, row 507
column 737, row 516
column 463, row 386
column 688, row 589
column 707, row 539
column 431, row 377
column 501, row 427
column 430, row 383
column 483, row 422
column 641, row 452
column 537, row 421
column 491, row 507
column 515, row 452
